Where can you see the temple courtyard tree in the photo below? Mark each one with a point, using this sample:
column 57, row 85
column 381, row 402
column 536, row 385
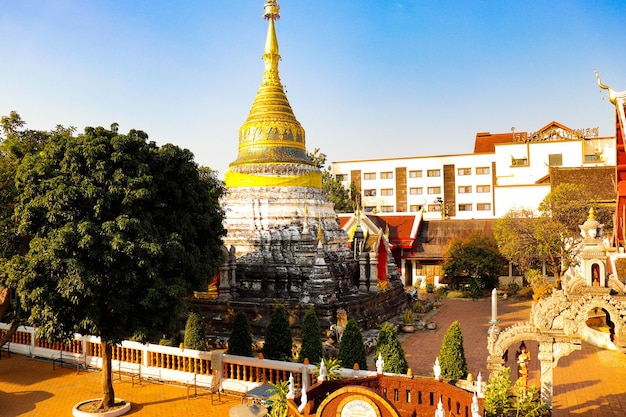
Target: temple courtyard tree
column 351, row 346
column 452, row 354
column 549, row 235
column 476, row 259
column 311, row 346
column 16, row 143
column 343, row 199
column 278, row 336
column 240, row 341
column 195, row 335
column 119, row 231
column 390, row 349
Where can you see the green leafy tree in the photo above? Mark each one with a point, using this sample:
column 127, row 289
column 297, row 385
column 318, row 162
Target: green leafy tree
column 240, row 342
column 195, row 334
column 16, row 143
column 342, row 198
column 526, row 237
column 515, row 236
column 452, row 354
column 569, row 204
column 503, row 397
column 311, row 347
column 119, row 231
column 351, row 346
column 390, row 349
column 278, row 336
column 498, row 392
column 475, row 256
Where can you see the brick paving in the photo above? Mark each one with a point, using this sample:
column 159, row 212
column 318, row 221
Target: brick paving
column 590, row 382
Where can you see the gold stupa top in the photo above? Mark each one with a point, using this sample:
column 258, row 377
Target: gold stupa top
column 272, row 149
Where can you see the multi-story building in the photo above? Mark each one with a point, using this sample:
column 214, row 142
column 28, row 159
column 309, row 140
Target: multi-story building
column 505, row 171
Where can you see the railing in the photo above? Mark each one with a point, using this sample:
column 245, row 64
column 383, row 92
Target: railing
column 215, row 369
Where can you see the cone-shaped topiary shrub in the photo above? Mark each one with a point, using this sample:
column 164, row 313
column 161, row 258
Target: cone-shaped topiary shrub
column 240, row 342
column 452, row 355
column 278, row 338
column 390, row 349
column 195, row 335
column 351, row 347
column 311, row 338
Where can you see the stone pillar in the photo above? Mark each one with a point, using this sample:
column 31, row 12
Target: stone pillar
column 373, row 278
column 363, row 276
column 546, row 360
column 224, row 289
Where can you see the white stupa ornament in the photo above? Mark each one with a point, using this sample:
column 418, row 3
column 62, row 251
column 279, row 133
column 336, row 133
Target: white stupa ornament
column 437, row 369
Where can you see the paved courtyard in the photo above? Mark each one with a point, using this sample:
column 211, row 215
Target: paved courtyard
column 590, row 382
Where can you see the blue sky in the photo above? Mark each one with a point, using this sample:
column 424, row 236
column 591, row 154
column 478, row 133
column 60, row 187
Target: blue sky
column 367, row 79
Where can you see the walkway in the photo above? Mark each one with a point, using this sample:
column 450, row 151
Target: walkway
column 590, row 382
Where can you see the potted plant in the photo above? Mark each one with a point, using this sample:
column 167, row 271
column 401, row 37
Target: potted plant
column 408, row 321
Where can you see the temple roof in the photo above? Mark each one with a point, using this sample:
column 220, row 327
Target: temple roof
column 402, row 227
column 434, row 235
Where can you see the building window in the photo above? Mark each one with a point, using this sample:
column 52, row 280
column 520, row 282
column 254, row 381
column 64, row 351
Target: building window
column 555, row 159
column 482, row 170
column 386, row 192
column 369, row 209
column 387, row 209
column 415, row 174
column 408, row 396
column 483, row 188
column 434, row 207
column 416, row 191
column 341, row 177
column 483, row 206
column 386, row 175
column 419, row 397
column 369, row 176
column 517, row 162
column 465, row 189
column 465, row 207
column 464, row 171
column 414, row 208
column 434, row 190
column 433, row 173
column 396, row 395
column 593, row 158
column 432, row 398
column 369, row 193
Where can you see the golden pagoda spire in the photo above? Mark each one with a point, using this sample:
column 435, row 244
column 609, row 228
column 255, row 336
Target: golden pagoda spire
column 272, row 149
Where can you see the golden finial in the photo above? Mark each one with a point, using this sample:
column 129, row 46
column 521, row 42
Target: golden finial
column 271, row 10
column 612, row 95
column 387, row 230
column 592, row 214
column 320, row 232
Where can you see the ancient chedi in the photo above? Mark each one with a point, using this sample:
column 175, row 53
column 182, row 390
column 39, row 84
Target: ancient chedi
column 284, row 241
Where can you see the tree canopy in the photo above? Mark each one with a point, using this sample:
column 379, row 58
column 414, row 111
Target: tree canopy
column 278, row 336
column 390, row 348
column 240, row 341
column 476, row 257
column 351, row 346
column 452, row 354
column 119, row 231
column 342, row 198
column 311, row 347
